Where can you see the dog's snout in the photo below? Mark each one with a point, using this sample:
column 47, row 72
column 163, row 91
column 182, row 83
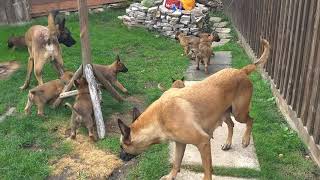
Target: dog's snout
column 126, row 156
column 124, row 69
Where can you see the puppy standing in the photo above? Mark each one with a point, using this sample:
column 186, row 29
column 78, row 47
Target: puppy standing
column 190, row 115
column 43, row 46
column 82, row 110
column 46, row 92
column 110, row 72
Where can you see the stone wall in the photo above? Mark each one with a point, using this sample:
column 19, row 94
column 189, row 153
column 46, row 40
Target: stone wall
column 166, row 21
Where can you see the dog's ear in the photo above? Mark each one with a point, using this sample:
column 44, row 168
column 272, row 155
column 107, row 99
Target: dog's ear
column 182, row 79
column 125, row 131
column 135, row 114
column 173, row 80
column 117, row 58
column 62, row 24
column 76, row 83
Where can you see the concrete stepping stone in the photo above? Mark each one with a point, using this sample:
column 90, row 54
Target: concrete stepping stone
column 224, row 35
column 223, row 30
column 215, row 19
column 220, row 24
column 188, row 175
column 236, row 157
column 221, row 60
column 220, row 43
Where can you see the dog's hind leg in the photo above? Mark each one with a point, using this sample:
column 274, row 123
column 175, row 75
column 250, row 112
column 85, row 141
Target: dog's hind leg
column 229, row 122
column 38, row 66
column 179, row 152
column 205, row 151
column 240, row 109
column 29, row 72
column 58, row 64
column 29, row 104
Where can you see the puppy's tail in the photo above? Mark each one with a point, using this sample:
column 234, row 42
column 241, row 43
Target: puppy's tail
column 262, row 60
column 161, row 87
column 72, row 108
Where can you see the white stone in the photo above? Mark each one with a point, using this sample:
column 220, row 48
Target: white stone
column 223, row 30
column 215, row 19
column 194, row 30
column 167, row 28
column 153, row 9
column 220, row 24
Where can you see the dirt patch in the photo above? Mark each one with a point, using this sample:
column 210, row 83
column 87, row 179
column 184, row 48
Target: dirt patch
column 85, row 161
column 7, row 68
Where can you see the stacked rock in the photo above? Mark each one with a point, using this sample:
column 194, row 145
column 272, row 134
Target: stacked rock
column 166, row 21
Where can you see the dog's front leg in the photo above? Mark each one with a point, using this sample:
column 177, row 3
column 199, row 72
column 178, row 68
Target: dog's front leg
column 229, row 122
column 29, row 104
column 205, row 151
column 121, row 87
column 179, row 152
column 28, row 76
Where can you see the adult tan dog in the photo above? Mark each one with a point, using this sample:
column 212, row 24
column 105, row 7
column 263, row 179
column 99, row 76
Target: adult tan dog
column 43, row 46
column 190, row 115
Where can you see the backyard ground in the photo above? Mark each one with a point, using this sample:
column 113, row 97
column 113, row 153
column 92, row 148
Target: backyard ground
column 32, row 147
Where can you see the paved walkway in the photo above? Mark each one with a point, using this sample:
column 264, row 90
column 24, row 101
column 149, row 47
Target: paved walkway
column 237, row 156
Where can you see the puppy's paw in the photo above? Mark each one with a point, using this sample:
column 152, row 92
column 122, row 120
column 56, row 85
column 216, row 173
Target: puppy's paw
column 245, row 142
column 226, row 147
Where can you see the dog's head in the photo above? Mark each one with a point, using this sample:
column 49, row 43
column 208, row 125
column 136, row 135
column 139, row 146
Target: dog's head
column 64, row 35
column 178, row 83
column 120, row 67
column 81, row 84
column 66, row 76
column 179, row 36
column 130, row 149
column 215, row 37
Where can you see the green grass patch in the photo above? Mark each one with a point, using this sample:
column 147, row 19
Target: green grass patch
column 150, row 60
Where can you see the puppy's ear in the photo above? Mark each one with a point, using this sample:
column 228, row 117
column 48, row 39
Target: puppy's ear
column 173, row 80
column 117, row 58
column 62, row 24
column 182, row 79
column 135, row 114
column 125, row 131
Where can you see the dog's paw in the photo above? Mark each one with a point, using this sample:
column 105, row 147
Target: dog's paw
column 167, row 177
column 23, row 87
column 226, row 147
column 245, row 142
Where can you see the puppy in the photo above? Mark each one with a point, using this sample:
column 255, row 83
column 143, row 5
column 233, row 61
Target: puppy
column 187, row 42
column 111, row 71
column 82, row 110
column 179, row 83
column 16, row 42
column 46, row 92
column 204, row 51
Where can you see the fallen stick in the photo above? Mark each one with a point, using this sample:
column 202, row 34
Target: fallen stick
column 68, row 94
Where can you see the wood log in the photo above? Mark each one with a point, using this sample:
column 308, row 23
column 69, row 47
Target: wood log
column 95, row 100
column 68, row 94
column 67, row 87
column 106, row 83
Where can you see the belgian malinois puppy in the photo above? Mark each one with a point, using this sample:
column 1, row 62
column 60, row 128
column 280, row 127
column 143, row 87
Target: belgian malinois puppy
column 43, row 46
column 16, row 42
column 190, row 115
column 176, row 83
column 111, row 71
column 82, row 110
column 47, row 92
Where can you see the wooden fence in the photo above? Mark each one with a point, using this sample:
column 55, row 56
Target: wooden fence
column 292, row 28
column 14, row 11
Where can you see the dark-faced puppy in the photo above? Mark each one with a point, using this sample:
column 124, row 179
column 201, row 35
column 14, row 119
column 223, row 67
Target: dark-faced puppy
column 46, row 92
column 16, row 42
column 82, row 110
column 64, row 34
column 111, row 71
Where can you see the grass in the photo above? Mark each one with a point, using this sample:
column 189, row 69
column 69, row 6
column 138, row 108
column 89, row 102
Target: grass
column 28, row 143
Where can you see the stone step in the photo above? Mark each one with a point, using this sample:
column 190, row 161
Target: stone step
column 224, row 35
column 220, row 24
column 215, row 19
column 188, row 175
column 220, row 43
column 223, row 30
column 236, row 157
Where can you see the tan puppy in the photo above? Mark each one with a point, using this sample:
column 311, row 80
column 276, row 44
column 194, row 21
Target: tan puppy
column 190, row 115
column 179, row 83
column 42, row 94
column 43, row 47
column 187, row 42
column 82, row 110
column 111, row 71
column 16, row 42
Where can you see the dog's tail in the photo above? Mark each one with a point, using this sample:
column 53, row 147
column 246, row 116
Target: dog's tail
column 262, row 60
column 52, row 27
column 72, row 108
column 161, row 87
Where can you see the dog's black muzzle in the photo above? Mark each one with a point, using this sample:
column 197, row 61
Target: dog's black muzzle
column 126, row 156
column 124, row 70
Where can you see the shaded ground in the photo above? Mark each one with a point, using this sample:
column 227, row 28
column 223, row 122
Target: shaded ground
column 7, row 68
